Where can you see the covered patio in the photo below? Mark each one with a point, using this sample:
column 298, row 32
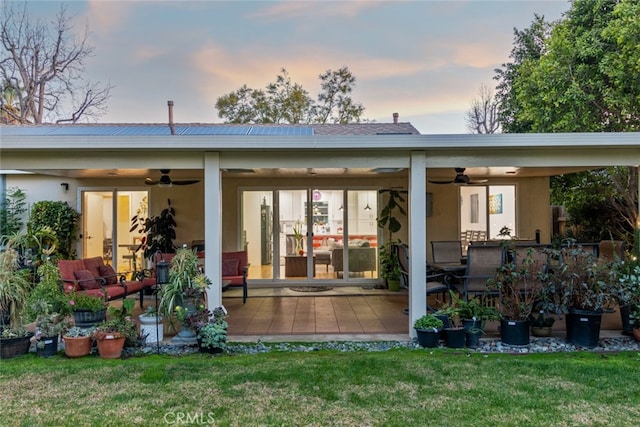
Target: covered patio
column 226, row 164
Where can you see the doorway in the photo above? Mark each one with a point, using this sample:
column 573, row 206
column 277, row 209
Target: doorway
column 485, row 210
column 311, row 234
column 106, row 221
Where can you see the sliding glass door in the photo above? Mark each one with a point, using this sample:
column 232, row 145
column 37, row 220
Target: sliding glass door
column 106, row 220
column 311, row 234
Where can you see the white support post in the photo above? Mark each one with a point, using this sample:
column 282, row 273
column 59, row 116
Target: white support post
column 213, row 228
column 417, row 238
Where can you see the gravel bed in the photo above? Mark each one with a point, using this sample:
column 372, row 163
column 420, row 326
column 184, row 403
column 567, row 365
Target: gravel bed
column 487, row 345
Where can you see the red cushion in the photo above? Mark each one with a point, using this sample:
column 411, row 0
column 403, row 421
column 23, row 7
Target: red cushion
column 109, row 274
column 86, row 280
column 67, row 269
column 93, row 265
column 133, row 286
column 230, row 267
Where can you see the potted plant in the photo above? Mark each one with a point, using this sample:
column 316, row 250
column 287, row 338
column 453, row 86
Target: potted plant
column 158, row 231
column 428, row 330
column 88, row 309
column 541, row 324
column 77, row 341
column 519, row 284
column 49, row 290
column 14, row 341
column 390, row 266
column 474, row 315
column 583, row 287
column 627, row 290
column 184, row 292
column 151, row 325
column 119, row 331
column 454, row 333
column 15, row 285
column 212, row 334
column 48, row 326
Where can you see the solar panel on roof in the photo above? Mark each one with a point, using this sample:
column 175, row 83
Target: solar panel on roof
column 140, row 130
column 281, row 130
column 217, row 130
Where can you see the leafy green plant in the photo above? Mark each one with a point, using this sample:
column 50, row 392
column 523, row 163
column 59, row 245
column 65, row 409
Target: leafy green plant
column 83, row 301
column 158, row 231
column 428, row 321
column 63, row 221
column 11, row 210
column 520, row 285
column 579, row 280
column 213, row 333
column 48, row 323
column 120, row 323
column 186, row 282
column 475, row 309
column 77, row 332
column 48, row 289
column 390, row 267
column 15, row 285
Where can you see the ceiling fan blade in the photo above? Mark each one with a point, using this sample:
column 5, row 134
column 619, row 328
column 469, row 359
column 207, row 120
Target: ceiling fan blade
column 186, row 182
column 150, row 181
column 477, row 181
column 442, row 182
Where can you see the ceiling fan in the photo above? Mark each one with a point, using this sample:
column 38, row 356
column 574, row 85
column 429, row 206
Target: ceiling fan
column 166, row 181
column 460, row 179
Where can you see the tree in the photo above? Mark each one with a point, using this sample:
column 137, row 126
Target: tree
column 482, row 117
column 286, row 102
column 529, row 45
column 582, row 76
column 42, row 66
column 334, row 103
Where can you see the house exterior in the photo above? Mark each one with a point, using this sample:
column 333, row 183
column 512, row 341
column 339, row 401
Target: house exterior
column 256, row 184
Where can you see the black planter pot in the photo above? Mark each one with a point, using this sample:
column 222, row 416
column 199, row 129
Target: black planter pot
column 514, row 332
column 627, row 327
column 455, row 337
column 12, row 347
column 583, row 327
column 87, row 319
column 428, row 338
column 50, row 346
column 473, row 338
column 446, row 323
column 471, row 324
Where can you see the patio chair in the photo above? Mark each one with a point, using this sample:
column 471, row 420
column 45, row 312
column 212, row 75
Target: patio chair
column 611, row 250
column 435, row 282
column 446, row 251
column 482, row 263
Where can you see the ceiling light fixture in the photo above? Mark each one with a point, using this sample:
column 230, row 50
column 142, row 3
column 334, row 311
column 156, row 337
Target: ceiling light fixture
column 367, row 207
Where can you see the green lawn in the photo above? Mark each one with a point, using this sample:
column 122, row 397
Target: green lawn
column 393, row 388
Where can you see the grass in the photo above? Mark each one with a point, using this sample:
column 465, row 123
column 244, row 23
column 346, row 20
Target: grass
column 393, row 388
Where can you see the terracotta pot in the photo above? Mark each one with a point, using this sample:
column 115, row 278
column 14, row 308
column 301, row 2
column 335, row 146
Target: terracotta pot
column 110, row 347
column 636, row 333
column 77, row 346
column 541, row 331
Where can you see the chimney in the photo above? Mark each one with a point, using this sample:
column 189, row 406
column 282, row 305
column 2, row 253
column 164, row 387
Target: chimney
column 395, row 117
column 171, row 125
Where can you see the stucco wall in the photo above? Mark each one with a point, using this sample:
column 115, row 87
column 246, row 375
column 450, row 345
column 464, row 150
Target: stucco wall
column 532, row 202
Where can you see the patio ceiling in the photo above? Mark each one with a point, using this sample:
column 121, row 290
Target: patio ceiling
column 443, row 173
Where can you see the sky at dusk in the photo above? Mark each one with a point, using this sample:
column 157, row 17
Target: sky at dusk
column 425, row 60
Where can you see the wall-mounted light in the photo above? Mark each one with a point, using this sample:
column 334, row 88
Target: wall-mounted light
column 65, row 185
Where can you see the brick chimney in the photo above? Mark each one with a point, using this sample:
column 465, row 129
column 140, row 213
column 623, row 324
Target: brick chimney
column 395, row 117
column 171, row 125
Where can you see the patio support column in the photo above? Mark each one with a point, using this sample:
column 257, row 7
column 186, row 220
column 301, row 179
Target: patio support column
column 213, row 227
column 417, row 238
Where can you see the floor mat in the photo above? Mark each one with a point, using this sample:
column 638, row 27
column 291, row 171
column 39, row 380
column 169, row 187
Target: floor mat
column 311, row 288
